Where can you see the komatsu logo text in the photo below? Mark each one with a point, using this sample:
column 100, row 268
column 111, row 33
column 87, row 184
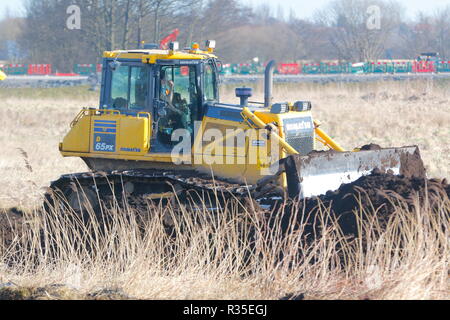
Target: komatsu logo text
column 298, row 125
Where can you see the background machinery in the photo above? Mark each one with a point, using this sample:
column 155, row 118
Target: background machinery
column 161, row 131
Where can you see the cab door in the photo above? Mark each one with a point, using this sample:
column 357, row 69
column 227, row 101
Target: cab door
column 177, row 104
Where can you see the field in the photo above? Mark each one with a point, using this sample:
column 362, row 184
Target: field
column 33, row 121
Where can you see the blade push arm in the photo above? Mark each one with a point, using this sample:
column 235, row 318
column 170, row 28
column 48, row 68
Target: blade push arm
column 326, row 139
column 247, row 114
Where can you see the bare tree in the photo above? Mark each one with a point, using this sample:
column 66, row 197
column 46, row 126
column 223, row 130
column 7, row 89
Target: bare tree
column 10, row 30
column 428, row 33
column 144, row 9
column 126, row 25
column 361, row 28
column 353, row 30
column 442, row 31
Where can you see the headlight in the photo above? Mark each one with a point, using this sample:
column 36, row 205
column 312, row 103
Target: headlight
column 302, row 106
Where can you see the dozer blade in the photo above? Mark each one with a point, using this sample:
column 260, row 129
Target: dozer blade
column 320, row 172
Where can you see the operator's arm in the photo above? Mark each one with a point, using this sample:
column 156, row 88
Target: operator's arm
column 168, row 97
column 170, row 86
column 172, row 108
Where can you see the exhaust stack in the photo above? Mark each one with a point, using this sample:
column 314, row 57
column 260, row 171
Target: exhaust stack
column 268, row 83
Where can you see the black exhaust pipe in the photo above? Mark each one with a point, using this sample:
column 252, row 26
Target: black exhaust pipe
column 268, row 83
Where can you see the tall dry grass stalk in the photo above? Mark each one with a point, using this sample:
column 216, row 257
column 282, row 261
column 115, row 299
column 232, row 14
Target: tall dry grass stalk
column 234, row 253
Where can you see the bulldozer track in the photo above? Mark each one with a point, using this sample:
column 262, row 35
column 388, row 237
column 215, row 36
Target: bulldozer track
column 143, row 184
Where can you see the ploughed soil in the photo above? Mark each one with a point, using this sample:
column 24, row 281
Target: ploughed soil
column 11, row 225
column 10, row 291
column 379, row 191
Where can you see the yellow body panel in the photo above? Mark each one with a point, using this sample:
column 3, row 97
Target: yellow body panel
column 249, row 160
column 77, row 139
column 2, row 75
column 120, row 134
column 259, row 157
column 220, row 155
column 110, row 133
column 149, row 157
column 138, row 132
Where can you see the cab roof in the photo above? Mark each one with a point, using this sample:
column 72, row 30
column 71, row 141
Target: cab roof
column 151, row 55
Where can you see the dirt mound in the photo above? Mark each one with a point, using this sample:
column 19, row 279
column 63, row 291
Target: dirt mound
column 10, row 291
column 380, row 191
column 11, row 223
column 371, row 146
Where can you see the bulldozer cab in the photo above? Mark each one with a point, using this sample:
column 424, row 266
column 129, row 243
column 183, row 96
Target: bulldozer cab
column 173, row 92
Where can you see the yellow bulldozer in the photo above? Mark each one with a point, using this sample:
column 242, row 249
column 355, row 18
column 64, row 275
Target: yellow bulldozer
column 160, row 131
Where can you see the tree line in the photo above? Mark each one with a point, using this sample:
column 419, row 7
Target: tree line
column 345, row 30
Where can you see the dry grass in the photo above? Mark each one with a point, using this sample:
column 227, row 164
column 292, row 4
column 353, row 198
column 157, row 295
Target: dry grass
column 409, row 259
column 30, row 130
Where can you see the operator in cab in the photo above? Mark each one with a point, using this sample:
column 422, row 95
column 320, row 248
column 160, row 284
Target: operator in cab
column 178, row 113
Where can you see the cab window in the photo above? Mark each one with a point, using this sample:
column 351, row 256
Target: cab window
column 129, row 87
column 210, row 83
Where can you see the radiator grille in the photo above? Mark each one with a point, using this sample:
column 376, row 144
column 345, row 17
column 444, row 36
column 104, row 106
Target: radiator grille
column 303, row 145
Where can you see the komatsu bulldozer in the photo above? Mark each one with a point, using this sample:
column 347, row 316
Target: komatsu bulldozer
column 161, row 130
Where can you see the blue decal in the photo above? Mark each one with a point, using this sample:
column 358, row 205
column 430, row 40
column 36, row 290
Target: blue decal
column 109, row 126
column 225, row 112
column 104, row 142
column 105, row 121
column 104, row 130
column 106, row 125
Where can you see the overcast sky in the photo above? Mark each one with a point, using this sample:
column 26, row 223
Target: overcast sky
column 302, row 8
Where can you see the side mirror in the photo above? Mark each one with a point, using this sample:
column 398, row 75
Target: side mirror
column 219, row 65
column 114, row 65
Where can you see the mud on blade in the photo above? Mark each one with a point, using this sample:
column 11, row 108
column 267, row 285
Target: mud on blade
column 318, row 173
